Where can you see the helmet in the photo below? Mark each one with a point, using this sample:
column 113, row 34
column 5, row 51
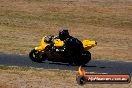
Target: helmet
column 63, row 34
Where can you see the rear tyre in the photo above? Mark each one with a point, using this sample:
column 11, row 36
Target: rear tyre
column 36, row 56
column 84, row 59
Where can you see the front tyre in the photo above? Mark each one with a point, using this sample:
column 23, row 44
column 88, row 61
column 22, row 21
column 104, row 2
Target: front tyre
column 36, row 56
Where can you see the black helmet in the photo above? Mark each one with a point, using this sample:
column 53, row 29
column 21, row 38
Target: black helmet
column 63, row 34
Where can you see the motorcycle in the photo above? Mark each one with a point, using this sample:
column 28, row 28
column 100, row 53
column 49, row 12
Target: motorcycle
column 71, row 50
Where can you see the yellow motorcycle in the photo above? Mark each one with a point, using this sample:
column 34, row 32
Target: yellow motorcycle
column 71, row 50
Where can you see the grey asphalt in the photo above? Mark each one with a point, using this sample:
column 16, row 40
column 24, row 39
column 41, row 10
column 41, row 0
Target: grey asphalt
column 99, row 66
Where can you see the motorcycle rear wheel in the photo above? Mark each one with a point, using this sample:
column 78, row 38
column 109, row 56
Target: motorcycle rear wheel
column 84, row 59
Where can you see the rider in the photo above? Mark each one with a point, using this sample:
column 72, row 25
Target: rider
column 73, row 47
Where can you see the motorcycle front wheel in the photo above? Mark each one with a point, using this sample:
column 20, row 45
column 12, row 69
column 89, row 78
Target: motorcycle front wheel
column 36, row 56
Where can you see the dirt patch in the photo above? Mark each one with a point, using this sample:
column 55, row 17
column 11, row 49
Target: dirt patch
column 34, row 78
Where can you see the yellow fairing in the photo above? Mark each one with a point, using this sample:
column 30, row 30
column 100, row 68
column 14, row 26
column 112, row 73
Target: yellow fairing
column 88, row 44
column 58, row 43
column 42, row 45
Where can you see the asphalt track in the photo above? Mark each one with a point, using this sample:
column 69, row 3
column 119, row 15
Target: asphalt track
column 98, row 66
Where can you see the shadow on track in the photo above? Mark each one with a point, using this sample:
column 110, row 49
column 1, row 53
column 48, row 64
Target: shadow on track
column 100, row 66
